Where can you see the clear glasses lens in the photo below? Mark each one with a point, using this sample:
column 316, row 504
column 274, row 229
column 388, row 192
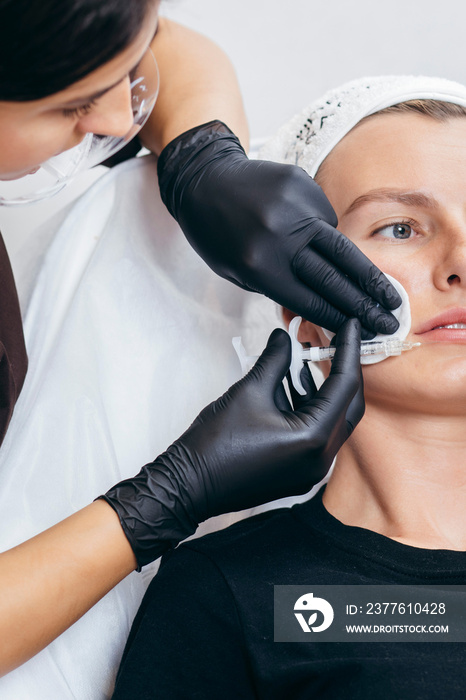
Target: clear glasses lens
column 56, row 173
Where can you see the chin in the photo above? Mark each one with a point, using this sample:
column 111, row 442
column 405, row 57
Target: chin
column 450, row 371
column 432, row 381
column 6, row 177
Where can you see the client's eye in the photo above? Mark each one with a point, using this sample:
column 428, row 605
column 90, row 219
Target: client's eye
column 399, row 230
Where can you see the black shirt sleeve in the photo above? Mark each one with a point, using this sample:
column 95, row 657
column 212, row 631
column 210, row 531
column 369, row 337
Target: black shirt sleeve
column 186, row 640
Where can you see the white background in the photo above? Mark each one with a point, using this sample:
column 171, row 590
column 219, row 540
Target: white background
column 288, row 52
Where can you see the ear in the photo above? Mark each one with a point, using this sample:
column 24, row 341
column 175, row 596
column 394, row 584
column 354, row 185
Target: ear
column 308, row 332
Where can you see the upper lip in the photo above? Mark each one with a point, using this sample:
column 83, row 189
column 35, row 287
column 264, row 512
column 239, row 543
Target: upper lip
column 446, row 318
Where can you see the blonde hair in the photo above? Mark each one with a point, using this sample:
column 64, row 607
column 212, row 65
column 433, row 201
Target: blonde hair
column 435, row 109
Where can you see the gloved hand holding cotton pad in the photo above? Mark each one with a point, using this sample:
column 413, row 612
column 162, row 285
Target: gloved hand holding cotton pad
column 403, row 316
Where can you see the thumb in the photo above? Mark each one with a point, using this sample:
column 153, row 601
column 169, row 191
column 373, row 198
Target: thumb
column 274, row 362
column 356, row 408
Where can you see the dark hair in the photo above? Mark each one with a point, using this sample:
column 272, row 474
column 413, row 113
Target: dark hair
column 46, row 45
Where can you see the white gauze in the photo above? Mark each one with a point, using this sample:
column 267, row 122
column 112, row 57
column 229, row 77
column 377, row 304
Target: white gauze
column 402, row 314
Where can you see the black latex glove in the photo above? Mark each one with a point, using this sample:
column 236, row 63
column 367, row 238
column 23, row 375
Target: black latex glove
column 248, row 447
column 269, row 228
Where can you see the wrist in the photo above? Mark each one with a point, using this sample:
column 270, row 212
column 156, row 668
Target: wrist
column 181, row 159
column 152, row 514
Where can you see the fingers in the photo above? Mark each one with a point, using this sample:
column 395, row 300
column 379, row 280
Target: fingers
column 273, row 363
column 347, row 358
column 338, row 248
column 281, row 399
column 310, row 191
column 356, row 408
column 309, row 385
column 303, row 301
column 300, row 299
column 337, row 277
column 335, row 395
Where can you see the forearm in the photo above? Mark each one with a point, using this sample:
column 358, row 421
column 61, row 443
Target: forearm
column 197, row 84
column 50, row 581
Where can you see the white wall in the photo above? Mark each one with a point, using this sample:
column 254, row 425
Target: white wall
column 286, row 52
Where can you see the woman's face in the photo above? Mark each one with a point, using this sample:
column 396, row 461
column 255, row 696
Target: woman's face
column 32, row 132
column 398, row 186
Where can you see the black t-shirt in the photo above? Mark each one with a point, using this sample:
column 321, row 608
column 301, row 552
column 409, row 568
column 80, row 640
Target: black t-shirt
column 205, row 627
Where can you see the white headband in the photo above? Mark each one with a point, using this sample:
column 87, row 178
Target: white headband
column 308, row 138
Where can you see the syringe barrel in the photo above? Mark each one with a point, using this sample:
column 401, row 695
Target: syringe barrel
column 389, row 347
column 318, row 354
column 373, row 347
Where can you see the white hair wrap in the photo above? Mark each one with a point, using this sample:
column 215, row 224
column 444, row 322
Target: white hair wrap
column 308, row 138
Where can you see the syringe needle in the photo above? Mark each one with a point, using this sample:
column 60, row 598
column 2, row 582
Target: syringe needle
column 387, row 348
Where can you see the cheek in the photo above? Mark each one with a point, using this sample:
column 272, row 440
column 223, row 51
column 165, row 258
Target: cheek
column 414, row 271
column 29, row 144
column 413, row 275
column 388, row 381
column 424, row 381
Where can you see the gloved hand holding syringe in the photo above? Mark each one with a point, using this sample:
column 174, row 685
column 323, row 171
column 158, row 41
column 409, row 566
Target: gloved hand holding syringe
column 386, row 348
column 378, row 349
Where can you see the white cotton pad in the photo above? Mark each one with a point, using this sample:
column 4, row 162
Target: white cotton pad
column 403, row 316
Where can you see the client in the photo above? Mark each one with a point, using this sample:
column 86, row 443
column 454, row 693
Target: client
column 390, row 154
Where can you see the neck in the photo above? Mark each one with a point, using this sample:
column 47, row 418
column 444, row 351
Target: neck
column 404, row 476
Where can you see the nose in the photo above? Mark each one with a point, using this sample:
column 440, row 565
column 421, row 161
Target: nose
column 450, row 270
column 112, row 115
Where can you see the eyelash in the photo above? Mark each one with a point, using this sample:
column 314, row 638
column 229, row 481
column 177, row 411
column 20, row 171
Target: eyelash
column 72, row 112
column 403, row 222
column 79, row 111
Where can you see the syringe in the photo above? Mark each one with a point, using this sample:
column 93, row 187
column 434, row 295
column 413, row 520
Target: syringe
column 389, row 347
column 382, row 348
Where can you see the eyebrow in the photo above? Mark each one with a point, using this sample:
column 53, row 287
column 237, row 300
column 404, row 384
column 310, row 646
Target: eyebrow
column 413, row 199
column 100, row 93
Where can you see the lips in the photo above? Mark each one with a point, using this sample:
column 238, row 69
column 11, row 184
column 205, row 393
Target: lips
column 447, row 326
